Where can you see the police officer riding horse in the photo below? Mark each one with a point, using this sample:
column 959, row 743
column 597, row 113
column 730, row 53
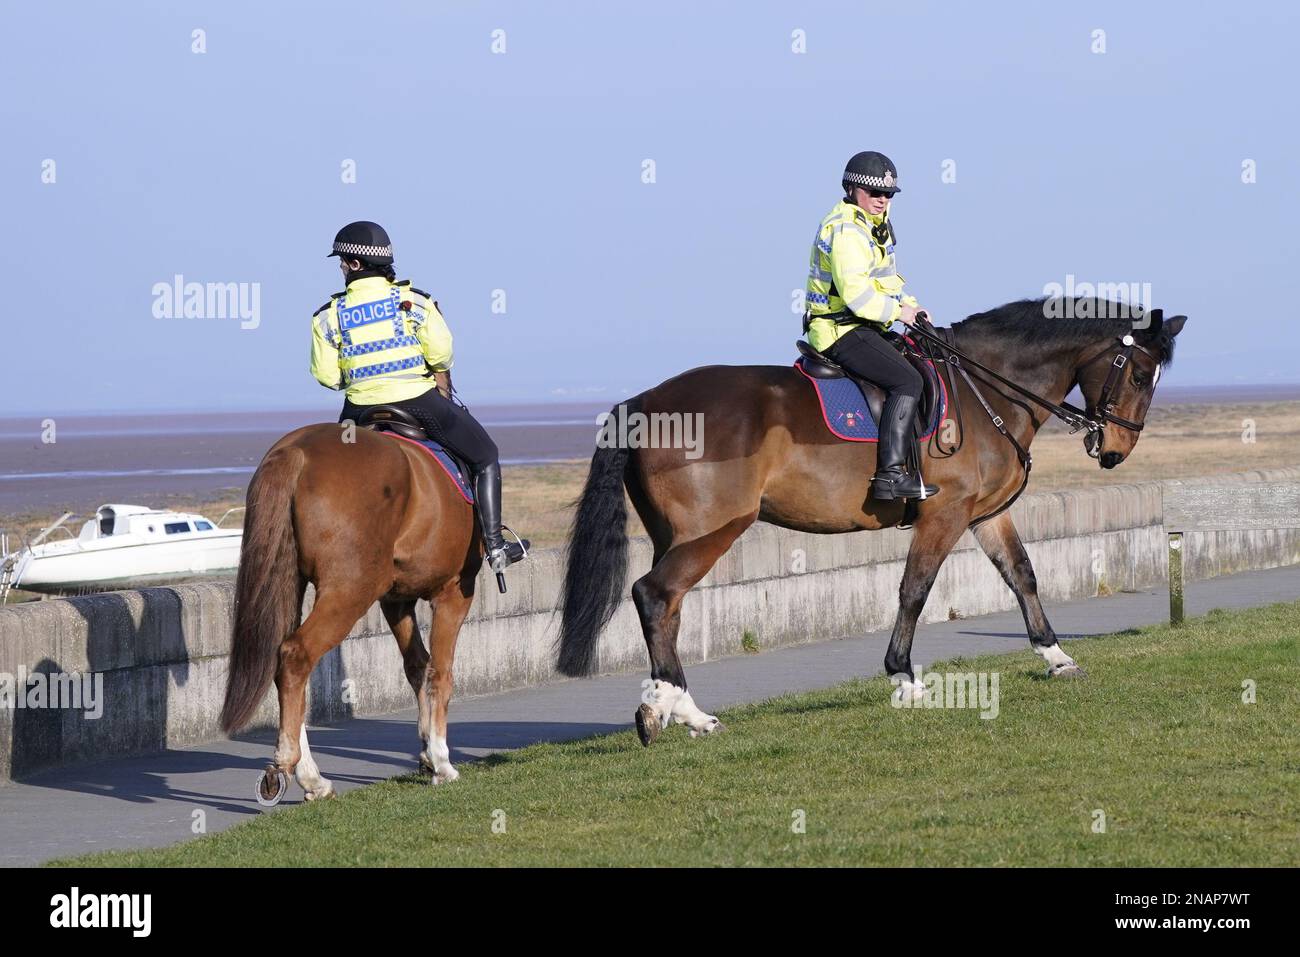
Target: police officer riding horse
column 385, row 343
column 854, row 295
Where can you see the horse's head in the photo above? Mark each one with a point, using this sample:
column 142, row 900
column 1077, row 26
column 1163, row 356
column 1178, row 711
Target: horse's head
column 1119, row 381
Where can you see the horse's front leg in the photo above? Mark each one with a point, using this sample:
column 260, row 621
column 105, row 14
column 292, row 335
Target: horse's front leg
column 1001, row 542
column 933, row 539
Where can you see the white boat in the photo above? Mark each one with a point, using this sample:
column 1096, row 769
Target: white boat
column 123, row 546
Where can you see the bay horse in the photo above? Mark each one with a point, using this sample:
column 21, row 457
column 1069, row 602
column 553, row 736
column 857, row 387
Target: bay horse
column 364, row 517
column 769, row 456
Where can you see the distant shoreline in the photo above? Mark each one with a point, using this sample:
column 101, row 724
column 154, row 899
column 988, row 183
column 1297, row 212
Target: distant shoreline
column 547, row 412
column 122, row 457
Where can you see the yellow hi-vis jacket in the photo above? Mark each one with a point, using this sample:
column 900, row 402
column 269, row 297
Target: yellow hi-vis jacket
column 851, row 275
column 381, row 341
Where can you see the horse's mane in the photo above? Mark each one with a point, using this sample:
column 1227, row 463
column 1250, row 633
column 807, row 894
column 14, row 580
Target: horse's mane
column 1027, row 325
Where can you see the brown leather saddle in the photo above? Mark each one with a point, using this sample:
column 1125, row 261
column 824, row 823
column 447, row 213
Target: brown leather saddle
column 389, row 418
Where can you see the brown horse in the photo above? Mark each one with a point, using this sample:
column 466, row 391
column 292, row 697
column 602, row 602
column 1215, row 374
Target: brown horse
column 768, row 456
column 363, row 517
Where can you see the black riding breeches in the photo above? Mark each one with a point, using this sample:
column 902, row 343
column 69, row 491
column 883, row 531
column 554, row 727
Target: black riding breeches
column 869, row 355
column 445, row 422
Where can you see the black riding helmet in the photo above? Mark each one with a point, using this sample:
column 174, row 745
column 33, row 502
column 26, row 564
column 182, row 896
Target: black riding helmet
column 872, row 170
column 365, row 242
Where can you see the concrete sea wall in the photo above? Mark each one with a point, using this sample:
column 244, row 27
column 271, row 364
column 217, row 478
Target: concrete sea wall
column 161, row 653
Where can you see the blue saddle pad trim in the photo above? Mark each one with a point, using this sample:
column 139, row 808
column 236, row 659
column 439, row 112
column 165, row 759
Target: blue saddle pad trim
column 448, row 464
column 845, row 410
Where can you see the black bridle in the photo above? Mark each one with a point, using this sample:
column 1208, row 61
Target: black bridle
column 1093, row 418
column 1103, row 411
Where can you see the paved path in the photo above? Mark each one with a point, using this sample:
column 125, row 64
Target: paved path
column 150, row 801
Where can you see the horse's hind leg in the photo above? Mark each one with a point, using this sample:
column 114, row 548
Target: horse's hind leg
column 1001, row 542
column 401, row 619
column 331, row 618
column 450, row 606
column 658, row 599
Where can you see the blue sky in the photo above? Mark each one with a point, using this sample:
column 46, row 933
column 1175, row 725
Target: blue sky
column 522, row 171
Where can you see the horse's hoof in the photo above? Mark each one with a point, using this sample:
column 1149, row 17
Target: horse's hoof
column 272, row 786
column 1071, row 670
column 444, row 776
column 426, row 766
column 712, row 726
column 322, row 793
column 908, row 692
column 647, row 724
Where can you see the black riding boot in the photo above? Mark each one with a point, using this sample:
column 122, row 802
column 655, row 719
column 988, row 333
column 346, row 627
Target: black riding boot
column 487, row 497
column 891, row 480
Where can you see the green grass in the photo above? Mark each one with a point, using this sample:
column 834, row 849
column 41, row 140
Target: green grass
column 1157, row 737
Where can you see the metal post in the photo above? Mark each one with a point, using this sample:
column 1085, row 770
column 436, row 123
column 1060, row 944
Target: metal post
column 1175, row 578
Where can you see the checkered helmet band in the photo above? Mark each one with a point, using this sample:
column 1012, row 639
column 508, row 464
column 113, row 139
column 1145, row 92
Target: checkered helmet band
column 888, row 181
column 354, row 249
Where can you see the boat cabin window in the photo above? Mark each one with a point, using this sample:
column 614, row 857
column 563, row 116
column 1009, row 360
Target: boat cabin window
column 175, row 528
column 203, row 526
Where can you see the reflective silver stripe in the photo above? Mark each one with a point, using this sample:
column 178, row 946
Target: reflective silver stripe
column 854, row 226
column 391, row 378
column 409, row 375
column 857, row 304
column 323, row 325
column 889, row 269
column 817, row 273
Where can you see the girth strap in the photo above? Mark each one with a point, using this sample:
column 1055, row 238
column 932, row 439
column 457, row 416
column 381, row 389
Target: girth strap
column 949, row 357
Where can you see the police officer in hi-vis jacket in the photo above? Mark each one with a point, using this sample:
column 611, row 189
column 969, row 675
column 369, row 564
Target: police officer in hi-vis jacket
column 854, row 294
column 383, row 341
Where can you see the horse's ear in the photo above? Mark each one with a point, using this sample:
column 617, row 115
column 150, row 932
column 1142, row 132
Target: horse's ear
column 1151, row 323
column 1174, row 325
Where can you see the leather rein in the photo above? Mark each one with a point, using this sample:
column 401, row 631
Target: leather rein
column 1094, row 418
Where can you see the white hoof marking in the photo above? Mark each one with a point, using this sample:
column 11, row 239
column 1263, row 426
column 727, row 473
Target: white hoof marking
column 673, row 704
column 438, row 757
column 447, row 774
column 307, row 774
column 907, row 691
column 1057, row 660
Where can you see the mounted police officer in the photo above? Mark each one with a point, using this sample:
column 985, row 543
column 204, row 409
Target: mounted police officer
column 854, row 295
column 386, row 343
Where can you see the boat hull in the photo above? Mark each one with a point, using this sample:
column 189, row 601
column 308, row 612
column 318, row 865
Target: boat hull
column 115, row 566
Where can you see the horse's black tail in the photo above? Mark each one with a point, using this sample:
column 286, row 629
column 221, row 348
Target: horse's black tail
column 595, row 561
